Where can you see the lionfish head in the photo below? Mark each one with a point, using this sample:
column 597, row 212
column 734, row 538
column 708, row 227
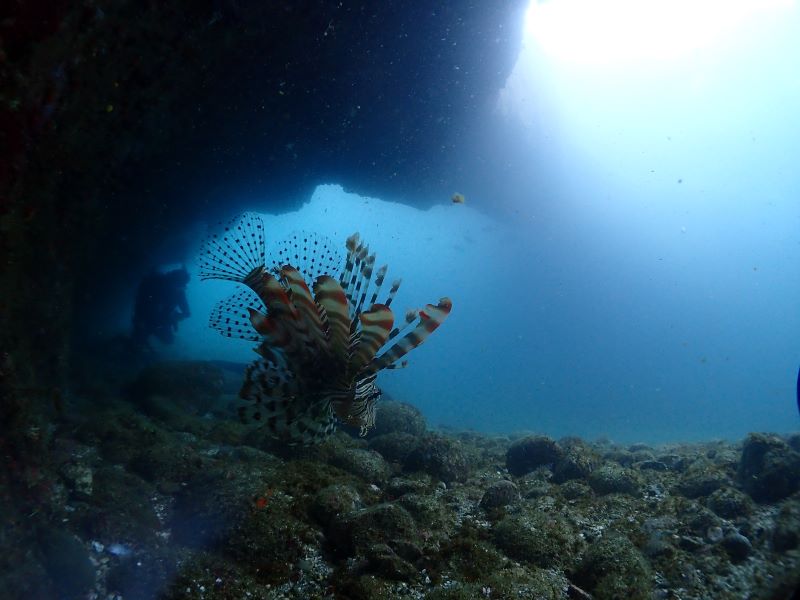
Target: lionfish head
column 322, row 334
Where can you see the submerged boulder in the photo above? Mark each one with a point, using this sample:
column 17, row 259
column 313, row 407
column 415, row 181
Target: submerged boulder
column 531, row 452
column 769, row 469
column 614, row 568
column 440, row 456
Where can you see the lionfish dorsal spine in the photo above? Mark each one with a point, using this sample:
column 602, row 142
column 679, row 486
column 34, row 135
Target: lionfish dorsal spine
column 308, row 311
column 411, row 316
column 393, row 291
column 364, row 281
column 429, row 320
column 360, row 255
column 375, row 326
column 379, row 278
column 331, row 298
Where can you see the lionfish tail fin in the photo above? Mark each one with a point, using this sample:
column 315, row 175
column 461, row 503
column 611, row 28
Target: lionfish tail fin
column 235, row 252
column 429, row 320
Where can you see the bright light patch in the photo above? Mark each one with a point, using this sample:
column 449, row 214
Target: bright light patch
column 629, row 31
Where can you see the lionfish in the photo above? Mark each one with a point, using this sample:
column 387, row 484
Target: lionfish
column 321, row 342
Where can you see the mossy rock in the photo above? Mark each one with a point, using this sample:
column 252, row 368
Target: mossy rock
column 268, row 541
column 530, row 452
column 577, row 462
column 211, row 505
column 441, row 457
column 769, row 469
column 702, row 480
column 514, row 581
column 382, row 523
column 367, row 465
column 730, row 503
column 394, row 447
column 613, row 568
column 333, row 501
column 786, row 535
column 545, row 540
column 398, row 417
column 611, row 479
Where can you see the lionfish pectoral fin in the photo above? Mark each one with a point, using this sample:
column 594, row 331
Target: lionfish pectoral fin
column 429, row 320
column 232, row 317
column 235, row 253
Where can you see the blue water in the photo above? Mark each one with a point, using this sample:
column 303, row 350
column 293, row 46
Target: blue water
column 627, row 263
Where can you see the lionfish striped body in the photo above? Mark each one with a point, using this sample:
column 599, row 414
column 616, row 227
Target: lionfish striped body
column 320, row 347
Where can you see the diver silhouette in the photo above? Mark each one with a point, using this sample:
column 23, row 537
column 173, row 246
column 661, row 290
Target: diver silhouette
column 160, row 305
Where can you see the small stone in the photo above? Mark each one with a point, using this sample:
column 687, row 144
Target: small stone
column 714, row 534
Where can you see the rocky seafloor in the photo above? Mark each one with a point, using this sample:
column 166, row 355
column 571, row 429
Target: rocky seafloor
column 157, row 492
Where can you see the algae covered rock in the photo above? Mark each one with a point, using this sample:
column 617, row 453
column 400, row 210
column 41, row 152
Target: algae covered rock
column 613, row 568
column 702, row 480
column 500, row 493
column 382, row 523
column 769, row 469
column 398, row 417
column 334, row 500
column 442, row 457
column 730, row 503
column 787, row 527
column 612, row 479
column 545, row 540
column 394, row 447
column 529, row 453
column 577, row 462
column 737, row 546
column 365, row 464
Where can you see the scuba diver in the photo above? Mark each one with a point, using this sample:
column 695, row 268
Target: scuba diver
column 160, row 305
